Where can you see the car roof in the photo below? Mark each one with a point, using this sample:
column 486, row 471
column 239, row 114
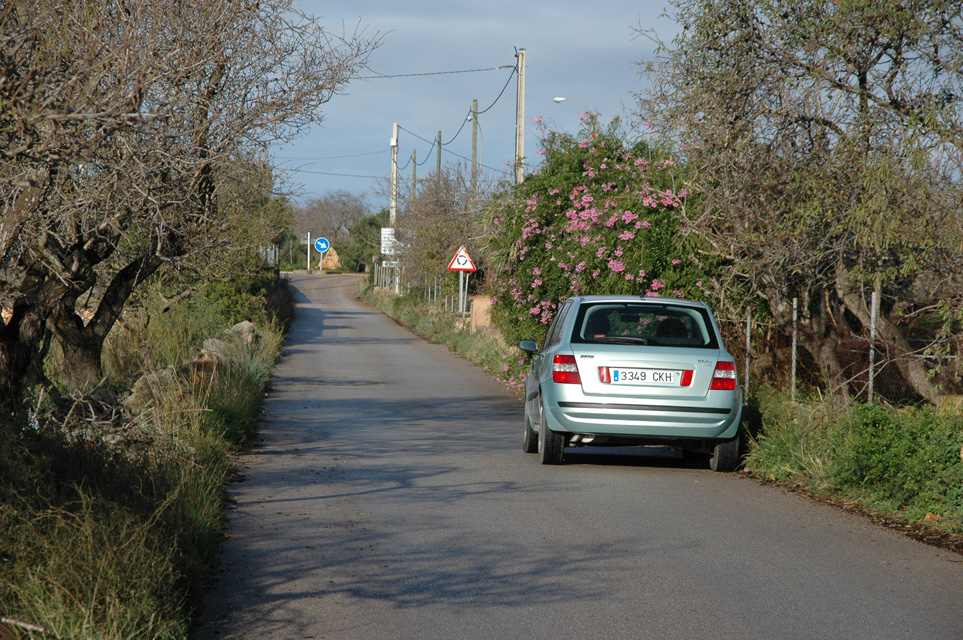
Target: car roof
column 646, row 299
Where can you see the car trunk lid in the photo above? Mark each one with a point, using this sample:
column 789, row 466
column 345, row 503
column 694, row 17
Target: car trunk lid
column 646, row 371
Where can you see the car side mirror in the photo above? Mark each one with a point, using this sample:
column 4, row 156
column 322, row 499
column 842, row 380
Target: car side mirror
column 528, row 345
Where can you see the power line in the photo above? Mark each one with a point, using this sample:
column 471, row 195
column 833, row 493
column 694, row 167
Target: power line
column 510, row 76
column 433, row 143
column 356, row 155
column 429, row 73
column 328, row 173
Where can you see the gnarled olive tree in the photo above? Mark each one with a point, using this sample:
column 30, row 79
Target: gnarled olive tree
column 825, row 141
column 128, row 132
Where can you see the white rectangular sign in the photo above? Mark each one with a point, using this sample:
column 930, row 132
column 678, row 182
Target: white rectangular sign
column 387, row 241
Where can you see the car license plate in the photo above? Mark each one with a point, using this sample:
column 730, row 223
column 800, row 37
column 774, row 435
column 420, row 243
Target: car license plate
column 643, row 376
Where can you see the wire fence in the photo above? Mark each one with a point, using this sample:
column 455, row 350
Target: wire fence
column 862, row 366
column 448, row 292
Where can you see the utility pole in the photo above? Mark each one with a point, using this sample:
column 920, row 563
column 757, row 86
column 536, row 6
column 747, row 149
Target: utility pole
column 520, row 120
column 474, row 149
column 414, row 171
column 393, row 208
column 438, row 158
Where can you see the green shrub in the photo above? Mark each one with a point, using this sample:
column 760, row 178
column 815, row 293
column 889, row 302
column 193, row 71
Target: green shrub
column 796, row 443
column 901, row 462
column 600, row 216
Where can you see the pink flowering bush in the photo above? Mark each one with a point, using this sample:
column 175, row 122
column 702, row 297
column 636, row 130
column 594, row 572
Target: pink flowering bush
column 599, row 217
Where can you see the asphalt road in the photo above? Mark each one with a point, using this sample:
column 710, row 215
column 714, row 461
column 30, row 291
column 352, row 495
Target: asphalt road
column 388, row 498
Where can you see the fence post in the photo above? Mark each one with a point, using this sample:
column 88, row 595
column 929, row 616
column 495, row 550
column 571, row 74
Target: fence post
column 872, row 342
column 748, row 348
column 795, row 319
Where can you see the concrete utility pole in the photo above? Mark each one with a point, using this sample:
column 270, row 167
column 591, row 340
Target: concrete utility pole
column 438, row 159
column 414, row 171
column 474, row 149
column 520, row 120
column 393, row 208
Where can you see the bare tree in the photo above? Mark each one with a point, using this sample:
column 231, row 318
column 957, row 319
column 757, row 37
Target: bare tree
column 824, row 141
column 441, row 215
column 331, row 215
column 130, row 132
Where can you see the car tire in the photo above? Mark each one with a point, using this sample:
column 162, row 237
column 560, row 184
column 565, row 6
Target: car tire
column 551, row 445
column 726, row 455
column 530, row 439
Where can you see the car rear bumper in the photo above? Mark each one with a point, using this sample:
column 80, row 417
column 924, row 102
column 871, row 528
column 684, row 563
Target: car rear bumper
column 638, row 419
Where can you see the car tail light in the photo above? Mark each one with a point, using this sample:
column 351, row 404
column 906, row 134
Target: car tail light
column 565, row 371
column 724, row 377
column 686, row 378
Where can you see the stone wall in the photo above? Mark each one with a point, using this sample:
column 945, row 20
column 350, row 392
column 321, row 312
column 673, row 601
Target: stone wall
column 481, row 316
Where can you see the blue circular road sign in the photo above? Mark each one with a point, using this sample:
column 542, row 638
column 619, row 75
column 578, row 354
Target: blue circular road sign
column 322, row 244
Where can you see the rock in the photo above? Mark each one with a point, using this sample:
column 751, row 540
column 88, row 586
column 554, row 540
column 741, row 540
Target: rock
column 331, row 259
column 245, row 330
column 152, row 387
column 217, row 349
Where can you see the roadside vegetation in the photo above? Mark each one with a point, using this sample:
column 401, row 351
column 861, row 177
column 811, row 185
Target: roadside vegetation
column 901, row 466
column 111, row 510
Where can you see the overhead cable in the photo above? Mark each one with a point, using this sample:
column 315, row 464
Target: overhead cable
column 430, row 73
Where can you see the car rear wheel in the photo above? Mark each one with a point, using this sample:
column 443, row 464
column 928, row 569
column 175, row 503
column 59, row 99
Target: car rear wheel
column 550, row 444
column 725, row 455
column 530, row 439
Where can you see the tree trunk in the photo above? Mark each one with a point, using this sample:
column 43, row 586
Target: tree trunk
column 823, row 351
column 82, row 343
column 82, row 349
column 910, row 367
column 21, row 339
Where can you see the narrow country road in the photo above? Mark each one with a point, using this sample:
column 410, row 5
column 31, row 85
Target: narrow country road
column 388, row 498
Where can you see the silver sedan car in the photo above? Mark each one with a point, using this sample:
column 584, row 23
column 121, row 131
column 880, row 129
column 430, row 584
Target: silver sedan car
column 628, row 370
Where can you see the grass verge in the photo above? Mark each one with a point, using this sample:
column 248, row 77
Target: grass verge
column 485, row 348
column 111, row 518
column 902, row 467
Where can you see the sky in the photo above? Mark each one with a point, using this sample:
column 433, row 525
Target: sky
column 444, row 54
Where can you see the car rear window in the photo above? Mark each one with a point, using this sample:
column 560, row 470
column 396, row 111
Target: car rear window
column 644, row 323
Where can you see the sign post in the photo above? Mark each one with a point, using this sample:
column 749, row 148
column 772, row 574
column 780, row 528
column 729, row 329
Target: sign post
column 463, row 264
column 322, row 245
column 388, row 249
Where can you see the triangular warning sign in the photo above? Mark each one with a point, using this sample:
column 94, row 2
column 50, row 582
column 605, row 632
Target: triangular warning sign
column 461, row 261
